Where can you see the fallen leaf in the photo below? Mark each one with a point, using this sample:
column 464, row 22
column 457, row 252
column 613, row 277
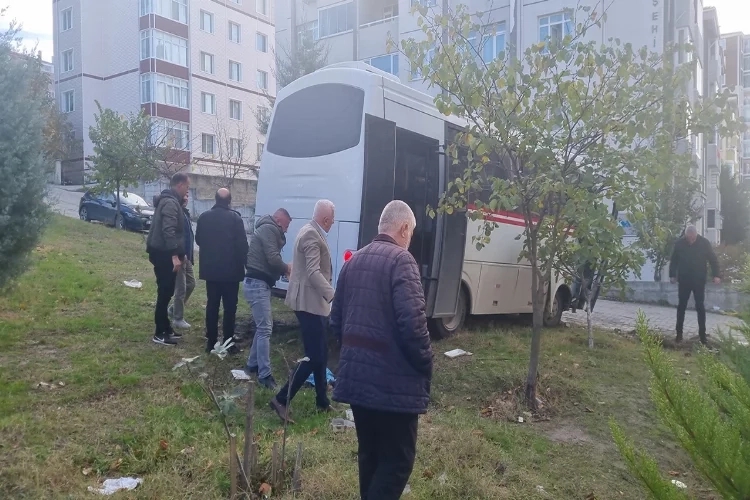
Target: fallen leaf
column 428, row 474
column 116, row 465
column 587, row 409
column 163, row 445
column 86, row 471
column 61, row 383
column 265, row 490
column 314, row 432
column 674, row 473
column 477, row 432
column 486, row 412
column 281, row 431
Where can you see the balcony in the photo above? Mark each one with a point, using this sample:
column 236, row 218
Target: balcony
column 378, row 21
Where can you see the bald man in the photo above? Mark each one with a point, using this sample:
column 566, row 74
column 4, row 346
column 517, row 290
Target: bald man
column 221, row 238
column 689, row 268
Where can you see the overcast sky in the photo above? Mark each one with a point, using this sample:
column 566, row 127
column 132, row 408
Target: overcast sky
column 36, row 18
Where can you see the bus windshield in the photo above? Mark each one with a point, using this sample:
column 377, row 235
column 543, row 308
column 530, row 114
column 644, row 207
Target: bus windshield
column 316, row 121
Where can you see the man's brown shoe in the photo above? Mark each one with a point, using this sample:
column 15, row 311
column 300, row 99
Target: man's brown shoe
column 281, row 410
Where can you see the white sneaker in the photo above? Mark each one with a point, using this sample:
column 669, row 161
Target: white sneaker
column 181, row 323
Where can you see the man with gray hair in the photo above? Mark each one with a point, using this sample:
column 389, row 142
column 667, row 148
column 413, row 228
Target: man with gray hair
column 689, row 267
column 385, row 370
column 309, row 295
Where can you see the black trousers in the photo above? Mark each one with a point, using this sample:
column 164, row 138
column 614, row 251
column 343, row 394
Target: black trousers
column 314, row 340
column 387, row 447
column 218, row 293
column 698, row 289
column 165, row 282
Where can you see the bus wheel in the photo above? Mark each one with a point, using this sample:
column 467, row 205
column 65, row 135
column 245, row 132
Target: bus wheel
column 441, row 328
column 553, row 317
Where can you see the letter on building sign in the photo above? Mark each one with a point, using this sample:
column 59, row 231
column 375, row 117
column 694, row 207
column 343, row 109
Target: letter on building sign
column 655, row 22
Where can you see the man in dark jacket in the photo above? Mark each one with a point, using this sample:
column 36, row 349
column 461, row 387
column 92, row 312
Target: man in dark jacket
column 385, row 367
column 185, row 278
column 220, row 234
column 166, row 251
column 264, row 268
column 688, row 267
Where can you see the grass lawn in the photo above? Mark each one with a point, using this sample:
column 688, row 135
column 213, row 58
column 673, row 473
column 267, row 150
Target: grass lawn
column 118, row 409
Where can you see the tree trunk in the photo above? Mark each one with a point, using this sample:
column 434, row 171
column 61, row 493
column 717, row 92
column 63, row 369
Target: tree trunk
column 658, row 266
column 588, row 294
column 537, row 305
column 117, row 203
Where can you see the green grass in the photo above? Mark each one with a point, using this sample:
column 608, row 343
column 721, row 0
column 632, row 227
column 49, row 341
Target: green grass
column 123, row 411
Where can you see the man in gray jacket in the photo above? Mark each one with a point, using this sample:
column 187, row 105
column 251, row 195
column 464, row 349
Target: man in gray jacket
column 264, row 267
column 166, row 251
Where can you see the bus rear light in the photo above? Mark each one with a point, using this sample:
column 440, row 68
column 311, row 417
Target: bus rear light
column 348, row 255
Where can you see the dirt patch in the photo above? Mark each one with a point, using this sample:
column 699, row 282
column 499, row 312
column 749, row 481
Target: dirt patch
column 568, row 432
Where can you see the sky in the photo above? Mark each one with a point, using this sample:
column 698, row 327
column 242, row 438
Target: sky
column 36, row 18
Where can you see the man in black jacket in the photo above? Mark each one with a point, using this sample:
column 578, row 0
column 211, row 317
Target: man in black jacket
column 385, row 368
column 166, row 251
column 220, row 235
column 688, row 267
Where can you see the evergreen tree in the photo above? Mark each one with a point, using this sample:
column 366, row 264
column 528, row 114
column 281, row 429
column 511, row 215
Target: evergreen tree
column 710, row 420
column 735, row 209
column 24, row 101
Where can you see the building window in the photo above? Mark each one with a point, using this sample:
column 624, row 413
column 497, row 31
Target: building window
column 337, row 19
column 164, row 46
column 390, row 11
column 261, row 6
column 175, row 10
column 164, row 89
column 264, row 113
column 307, row 32
column 208, row 103
column 170, row 133
column 235, row 32
column 713, row 181
column 66, row 19
column 238, row 2
column 67, row 58
column 235, row 71
column 261, row 42
column 711, row 218
column 207, row 62
column 235, row 109
column 493, row 44
column 235, row 148
column 555, row 27
column 416, row 73
column 698, row 77
column 387, row 63
column 69, row 101
column 746, row 80
column 261, row 80
column 425, row 3
column 260, row 150
column 207, row 21
column 208, row 144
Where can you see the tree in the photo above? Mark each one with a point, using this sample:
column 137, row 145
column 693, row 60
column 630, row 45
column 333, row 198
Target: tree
column 23, row 176
column 59, row 140
column 232, row 154
column 571, row 124
column 710, row 420
column 735, row 208
column 309, row 54
column 123, row 151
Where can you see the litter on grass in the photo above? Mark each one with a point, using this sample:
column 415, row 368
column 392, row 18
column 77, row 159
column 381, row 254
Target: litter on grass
column 455, row 353
column 240, row 375
column 132, row 284
column 112, row 486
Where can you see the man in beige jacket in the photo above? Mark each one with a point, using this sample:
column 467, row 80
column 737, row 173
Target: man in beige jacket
column 309, row 295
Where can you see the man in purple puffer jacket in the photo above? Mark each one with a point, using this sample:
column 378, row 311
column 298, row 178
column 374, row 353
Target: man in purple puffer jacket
column 385, row 369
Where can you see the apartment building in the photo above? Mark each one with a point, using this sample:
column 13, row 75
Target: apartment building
column 200, row 68
column 737, row 61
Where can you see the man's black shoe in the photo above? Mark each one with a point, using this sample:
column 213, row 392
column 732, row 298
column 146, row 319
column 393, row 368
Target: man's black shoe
column 268, row 382
column 163, row 340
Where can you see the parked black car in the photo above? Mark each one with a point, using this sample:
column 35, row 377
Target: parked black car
column 135, row 214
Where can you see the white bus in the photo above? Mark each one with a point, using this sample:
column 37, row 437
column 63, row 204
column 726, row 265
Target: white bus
column 355, row 135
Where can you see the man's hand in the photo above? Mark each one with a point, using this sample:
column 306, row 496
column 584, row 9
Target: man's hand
column 177, row 263
column 717, row 281
column 673, row 280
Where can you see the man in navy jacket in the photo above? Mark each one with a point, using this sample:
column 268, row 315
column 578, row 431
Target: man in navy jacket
column 385, row 367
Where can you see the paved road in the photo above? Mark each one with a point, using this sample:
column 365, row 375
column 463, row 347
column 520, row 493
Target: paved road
column 64, row 199
column 621, row 315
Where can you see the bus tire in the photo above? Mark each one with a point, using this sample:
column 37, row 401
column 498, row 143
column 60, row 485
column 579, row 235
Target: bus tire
column 553, row 317
column 442, row 328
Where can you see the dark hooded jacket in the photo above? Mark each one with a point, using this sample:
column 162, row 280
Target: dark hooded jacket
column 167, row 234
column 222, row 242
column 264, row 260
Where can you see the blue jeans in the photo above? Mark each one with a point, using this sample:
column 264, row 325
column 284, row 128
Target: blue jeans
column 258, row 295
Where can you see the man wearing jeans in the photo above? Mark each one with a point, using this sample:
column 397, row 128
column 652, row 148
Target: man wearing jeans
column 264, row 267
column 309, row 296
column 185, row 278
column 166, row 251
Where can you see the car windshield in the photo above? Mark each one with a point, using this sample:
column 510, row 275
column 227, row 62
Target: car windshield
column 133, row 200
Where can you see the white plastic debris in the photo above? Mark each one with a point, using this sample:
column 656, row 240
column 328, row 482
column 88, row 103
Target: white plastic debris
column 222, row 350
column 407, row 489
column 455, row 353
column 350, row 415
column 442, row 479
column 540, row 489
column 340, row 425
column 133, row 284
column 679, row 484
column 240, row 375
column 520, row 420
column 112, row 486
column 184, row 361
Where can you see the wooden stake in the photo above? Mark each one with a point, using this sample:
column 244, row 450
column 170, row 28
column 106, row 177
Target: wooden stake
column 232, row 466
column 275, row 465
column 297, row 475
column 249, row 431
